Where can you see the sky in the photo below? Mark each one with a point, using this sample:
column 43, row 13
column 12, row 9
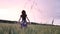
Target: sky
column 38, row 11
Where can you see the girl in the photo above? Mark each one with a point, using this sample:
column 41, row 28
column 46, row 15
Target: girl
column 24, row 16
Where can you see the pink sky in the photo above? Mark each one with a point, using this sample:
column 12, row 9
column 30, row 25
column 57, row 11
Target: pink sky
column 41, row 11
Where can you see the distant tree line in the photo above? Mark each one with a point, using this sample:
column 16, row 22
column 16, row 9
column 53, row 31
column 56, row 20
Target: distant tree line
column 7, row 21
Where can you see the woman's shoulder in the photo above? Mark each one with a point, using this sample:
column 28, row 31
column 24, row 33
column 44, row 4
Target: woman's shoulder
column 23, row 15
column 20, row 15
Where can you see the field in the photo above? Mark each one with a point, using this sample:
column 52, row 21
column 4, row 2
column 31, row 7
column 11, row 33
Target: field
column 6, row 28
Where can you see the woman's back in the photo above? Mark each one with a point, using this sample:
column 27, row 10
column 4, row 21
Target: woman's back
column 23, row 17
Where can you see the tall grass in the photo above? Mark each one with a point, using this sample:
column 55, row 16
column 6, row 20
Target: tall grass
column 6, row 28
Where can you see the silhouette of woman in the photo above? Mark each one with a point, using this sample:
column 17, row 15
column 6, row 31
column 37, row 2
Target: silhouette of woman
column 24, row 16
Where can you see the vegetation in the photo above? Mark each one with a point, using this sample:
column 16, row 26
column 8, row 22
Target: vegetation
column 6, row 28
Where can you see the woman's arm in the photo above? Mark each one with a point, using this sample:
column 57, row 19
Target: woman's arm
column 19, row 19
column 28, row 20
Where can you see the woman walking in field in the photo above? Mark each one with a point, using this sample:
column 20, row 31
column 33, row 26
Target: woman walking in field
column 23, row 16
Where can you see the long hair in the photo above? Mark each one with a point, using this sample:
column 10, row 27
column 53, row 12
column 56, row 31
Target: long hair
column 23, row 12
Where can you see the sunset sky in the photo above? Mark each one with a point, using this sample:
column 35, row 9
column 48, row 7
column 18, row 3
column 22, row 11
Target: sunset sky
column 39, row 11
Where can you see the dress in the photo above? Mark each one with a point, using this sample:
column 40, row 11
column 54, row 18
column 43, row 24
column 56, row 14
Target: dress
column 23, row 23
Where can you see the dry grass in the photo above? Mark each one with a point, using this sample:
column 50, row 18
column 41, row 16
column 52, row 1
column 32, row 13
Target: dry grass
column 6, row 28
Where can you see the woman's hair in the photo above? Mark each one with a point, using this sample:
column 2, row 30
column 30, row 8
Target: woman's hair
column 23, row 12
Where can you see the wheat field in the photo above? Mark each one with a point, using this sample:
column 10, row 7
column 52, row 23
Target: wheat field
column 6, row 28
